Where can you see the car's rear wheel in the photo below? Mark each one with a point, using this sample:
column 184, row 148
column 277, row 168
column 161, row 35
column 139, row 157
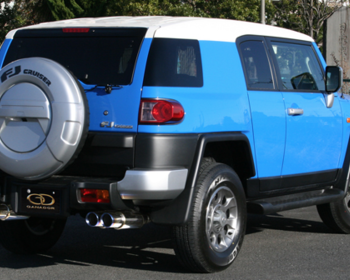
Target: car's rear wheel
column 212, row 237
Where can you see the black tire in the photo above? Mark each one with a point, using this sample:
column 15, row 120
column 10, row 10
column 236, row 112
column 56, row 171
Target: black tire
column 30, row 236
column 336, row 215
column 211, row 244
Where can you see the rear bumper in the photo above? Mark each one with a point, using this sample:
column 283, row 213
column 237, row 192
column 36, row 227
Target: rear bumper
column 152, row 184
column 148, row 186
column 143, row 173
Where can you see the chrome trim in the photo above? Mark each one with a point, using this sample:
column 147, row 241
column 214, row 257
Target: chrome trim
column 152, row 184
column 113, row 220
column 7, row 215
column 295, row 112
column 4, row 212
column 93, row 220
column 329, row 98
column 14, row 217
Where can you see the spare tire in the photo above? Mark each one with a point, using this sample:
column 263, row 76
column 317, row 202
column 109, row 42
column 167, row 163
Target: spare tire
column 44, row 118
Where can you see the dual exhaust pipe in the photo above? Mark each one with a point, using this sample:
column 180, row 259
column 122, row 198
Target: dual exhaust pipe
column 116, row 220
column 6, row 214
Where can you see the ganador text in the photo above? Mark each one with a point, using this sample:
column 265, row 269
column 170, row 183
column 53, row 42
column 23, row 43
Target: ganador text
column 40, row 207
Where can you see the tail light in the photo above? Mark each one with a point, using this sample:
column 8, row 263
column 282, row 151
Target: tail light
column 94, row 195
column 154, row 111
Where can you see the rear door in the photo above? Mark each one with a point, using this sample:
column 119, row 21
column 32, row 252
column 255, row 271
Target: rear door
column 267, row 110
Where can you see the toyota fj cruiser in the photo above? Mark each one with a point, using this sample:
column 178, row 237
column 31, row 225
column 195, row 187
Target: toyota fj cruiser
column 186, row 122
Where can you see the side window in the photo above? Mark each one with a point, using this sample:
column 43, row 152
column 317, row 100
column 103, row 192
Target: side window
column 174, row 63
column 256, row 65
column 298, row 67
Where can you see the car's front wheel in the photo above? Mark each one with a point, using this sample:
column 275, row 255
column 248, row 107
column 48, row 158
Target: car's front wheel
column 336, row 215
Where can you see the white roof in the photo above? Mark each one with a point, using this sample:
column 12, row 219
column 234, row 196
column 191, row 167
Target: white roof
column 179, row 27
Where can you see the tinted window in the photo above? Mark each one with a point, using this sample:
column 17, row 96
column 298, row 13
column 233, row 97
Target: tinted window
column 93, row 59
column 174, row 63
column 298, row 67
column 256, row 65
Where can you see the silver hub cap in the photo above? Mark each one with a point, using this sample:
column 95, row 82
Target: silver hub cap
column 221, row 219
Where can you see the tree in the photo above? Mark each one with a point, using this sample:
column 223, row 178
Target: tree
column 10, row 17
column 306, row 16
column 151, row 7
column 49, row 10
column 229, row 9
column 315, row 12
column 233, row 9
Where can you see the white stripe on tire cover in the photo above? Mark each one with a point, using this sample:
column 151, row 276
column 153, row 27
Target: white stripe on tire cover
column 67, row 119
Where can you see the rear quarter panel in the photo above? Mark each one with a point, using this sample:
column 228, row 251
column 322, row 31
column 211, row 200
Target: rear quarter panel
column 220, row 105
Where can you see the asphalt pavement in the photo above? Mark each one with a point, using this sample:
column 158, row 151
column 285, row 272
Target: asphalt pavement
column 289, row 245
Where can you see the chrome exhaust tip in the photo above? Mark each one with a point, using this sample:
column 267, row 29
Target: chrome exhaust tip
column 93, row 220
column 4, row 212
column 7, row 215
column 120, row 220
column 115, row 220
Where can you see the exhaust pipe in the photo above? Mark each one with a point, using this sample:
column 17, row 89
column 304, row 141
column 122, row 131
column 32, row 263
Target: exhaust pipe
column 120, row 220
column 4, row 212
column 93, row 220
column 7, row 215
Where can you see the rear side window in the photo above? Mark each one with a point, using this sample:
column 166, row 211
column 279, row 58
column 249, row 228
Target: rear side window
column 256, row 65
column 174, row 63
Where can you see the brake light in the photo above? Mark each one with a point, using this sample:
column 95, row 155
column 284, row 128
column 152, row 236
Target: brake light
column 160, row 111
column 94, row 195
column 75, row 30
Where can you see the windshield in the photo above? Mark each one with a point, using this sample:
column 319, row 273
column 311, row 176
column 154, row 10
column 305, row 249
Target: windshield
column 99, row 57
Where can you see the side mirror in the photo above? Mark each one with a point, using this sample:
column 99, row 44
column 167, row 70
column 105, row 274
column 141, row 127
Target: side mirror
column 334, row 78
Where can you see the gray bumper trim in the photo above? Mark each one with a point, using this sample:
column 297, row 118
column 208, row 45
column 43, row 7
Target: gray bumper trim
column 152, row 184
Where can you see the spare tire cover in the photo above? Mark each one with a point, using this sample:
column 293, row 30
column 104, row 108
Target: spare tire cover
column 42, row 118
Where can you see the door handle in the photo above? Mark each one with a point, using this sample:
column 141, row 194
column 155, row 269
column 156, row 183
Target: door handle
column 294, row 112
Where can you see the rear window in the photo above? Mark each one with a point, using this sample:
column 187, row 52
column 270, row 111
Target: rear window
column 174, row 63
column 256, row 65
column 101, row 56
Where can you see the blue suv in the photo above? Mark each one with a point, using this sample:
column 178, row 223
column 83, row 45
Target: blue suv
column 186, row 122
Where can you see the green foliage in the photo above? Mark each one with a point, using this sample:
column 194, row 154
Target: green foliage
column 48, row 10
column 149, row 7
column 288, row 15
column 10, row 17
column 229, row 9
column 94, row 8
column 234, row 9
